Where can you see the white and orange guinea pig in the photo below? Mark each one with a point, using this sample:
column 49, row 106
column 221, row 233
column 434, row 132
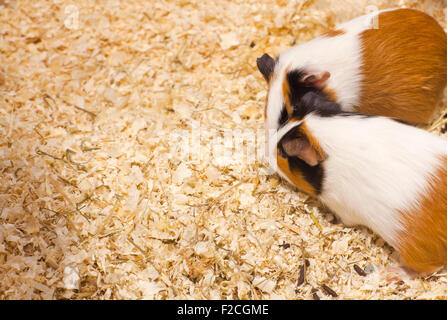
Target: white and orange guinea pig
column 372, row 171
column 391, row 63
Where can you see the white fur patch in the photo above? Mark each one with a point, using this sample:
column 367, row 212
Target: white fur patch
column 375, row 167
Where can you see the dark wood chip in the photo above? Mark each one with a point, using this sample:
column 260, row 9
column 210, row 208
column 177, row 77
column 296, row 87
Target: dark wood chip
column 301, row 276
column 329, row 291
column 359, row 270
column 285, row 245
column 307, row 263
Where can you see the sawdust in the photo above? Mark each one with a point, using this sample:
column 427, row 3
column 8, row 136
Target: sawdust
column 101, row 199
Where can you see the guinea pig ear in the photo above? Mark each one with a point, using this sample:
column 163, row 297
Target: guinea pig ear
column 322, row 104
column 300, row 146
column 266, row 65
column 316, row 79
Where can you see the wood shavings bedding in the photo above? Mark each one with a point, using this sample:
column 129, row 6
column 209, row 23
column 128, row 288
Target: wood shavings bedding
column 96, row 202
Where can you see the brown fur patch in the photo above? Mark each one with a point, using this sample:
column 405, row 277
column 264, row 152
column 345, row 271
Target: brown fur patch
column 331, row 93
column 423, row 245
column 334, row 33
column 407, row 83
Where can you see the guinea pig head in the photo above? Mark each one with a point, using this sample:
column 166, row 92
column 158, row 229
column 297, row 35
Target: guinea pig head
column 300, row 158
column 286, row 88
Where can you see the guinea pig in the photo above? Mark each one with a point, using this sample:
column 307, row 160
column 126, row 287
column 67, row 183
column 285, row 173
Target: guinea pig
column 373, row 171
column 391, row 63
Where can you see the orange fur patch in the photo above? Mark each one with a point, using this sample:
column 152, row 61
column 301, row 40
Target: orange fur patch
column 423, row 245
column 333, row 33
column 295, row 177
column 331, row 93
column 408, row 82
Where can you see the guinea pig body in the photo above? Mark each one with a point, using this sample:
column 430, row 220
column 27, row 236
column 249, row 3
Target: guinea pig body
column 376, row 172
column 391, row 63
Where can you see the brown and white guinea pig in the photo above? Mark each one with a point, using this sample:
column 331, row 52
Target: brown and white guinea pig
column 391, row 63
column 373, row 171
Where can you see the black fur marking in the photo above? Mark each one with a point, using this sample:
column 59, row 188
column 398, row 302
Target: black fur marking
column 317, row 102
column 297, row 87
column 305, row 98
column 284, row 116
column 365, row 116
column 356, row 114
column 266, row 65
column 312, row 174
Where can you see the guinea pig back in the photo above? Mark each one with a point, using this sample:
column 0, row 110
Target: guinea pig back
column 376, row 172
